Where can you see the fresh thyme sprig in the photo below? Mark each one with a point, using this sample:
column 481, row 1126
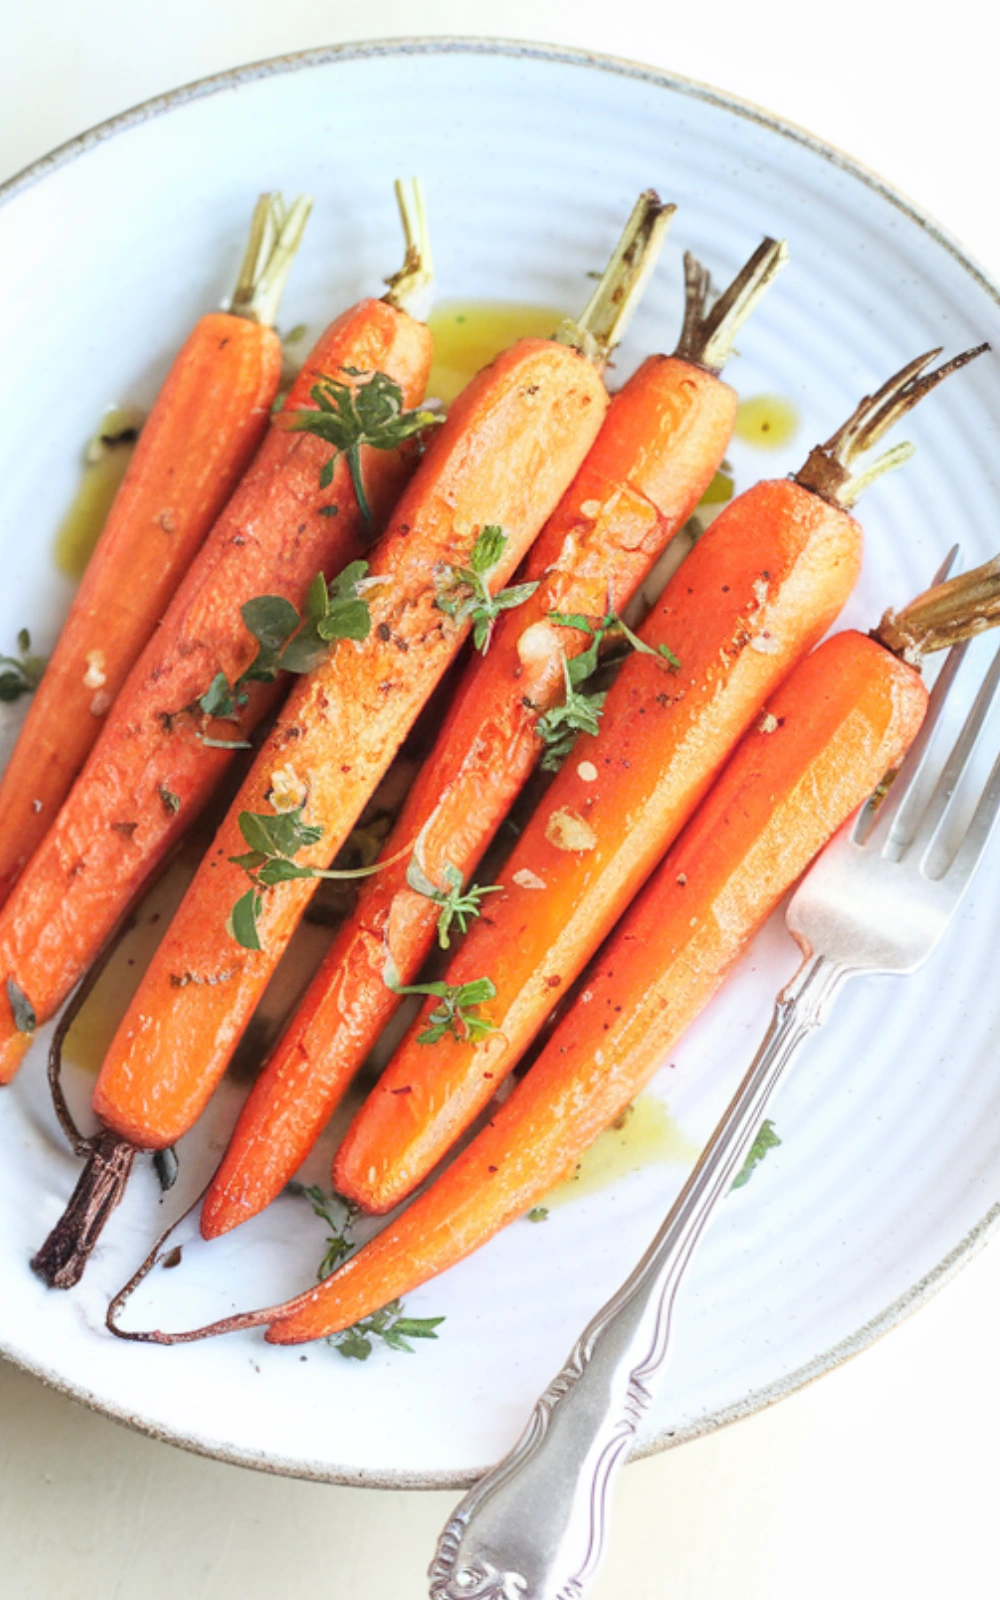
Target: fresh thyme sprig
column 390, row 1324
column 290, row 642
column 458, row 905
column 275, row 838
column 464, row 592
column 579, row 712
column 22, row 673
column 368, row 410
column 458, row 1013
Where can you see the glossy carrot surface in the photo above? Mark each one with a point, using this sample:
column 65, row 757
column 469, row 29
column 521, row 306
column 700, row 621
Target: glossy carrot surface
column 197, row 442
column 151, row 772
column 759, row 589
column 663, row 439
column 843, row 717
column 511, row 444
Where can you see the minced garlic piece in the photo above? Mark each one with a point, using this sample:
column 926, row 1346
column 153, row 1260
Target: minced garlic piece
column 538, row 643
column 587, row 771
column 100, row 703
column 95, row 676
column 765, row 644
column 768, row 723
column 526, row 879
column 567, row 830
column 288, row 791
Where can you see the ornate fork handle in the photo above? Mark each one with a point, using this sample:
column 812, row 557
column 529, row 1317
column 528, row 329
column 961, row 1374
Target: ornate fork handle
column 534, row 1527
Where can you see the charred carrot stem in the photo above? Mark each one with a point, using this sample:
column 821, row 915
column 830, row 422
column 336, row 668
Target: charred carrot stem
column 845, row 715
column 198, row 440
column 663, row 439
column 163, row 750
column 758, row 591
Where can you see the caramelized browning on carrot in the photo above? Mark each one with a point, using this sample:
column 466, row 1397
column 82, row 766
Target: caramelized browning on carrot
column 844, row 716
column 663, row 438
column 509, row 448
column 759, row 589
column 151, row 772
column 208, row 420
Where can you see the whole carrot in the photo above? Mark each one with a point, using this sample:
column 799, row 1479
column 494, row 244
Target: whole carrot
column 197, row 442
column 179, row 717
column 841, row 719
column 662, row 441
column 507, row 451
column 758, row 591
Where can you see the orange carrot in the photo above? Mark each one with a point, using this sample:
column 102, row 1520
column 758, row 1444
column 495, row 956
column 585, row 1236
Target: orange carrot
column 511, row 443
column 758, row 591
column 161, row 753
column 205, row 425
column 844, row 716
column 662, row 441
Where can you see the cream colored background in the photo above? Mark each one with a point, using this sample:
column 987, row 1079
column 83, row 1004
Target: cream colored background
column 878, row 1480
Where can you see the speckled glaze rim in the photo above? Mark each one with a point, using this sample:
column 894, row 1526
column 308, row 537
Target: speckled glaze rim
column 967, row 1247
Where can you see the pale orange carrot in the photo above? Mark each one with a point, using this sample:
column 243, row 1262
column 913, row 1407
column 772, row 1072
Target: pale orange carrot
column 207, row 421
column 162, row 751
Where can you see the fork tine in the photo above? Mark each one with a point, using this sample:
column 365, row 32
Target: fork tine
column 897, row 817
column 958, row 760
column 977, row 835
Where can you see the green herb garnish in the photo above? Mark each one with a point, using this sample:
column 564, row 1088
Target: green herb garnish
column 464, row 592
column 766, row 1140
column 458, row 905
column 538, row 1214
column 349, row 415
column 580, row 712
column 458, row 1013
column 275, row 839
column 22, row 673
column 390, row 1324
column 288, row 642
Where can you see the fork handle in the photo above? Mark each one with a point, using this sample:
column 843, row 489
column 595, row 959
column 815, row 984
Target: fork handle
column 534, row 1527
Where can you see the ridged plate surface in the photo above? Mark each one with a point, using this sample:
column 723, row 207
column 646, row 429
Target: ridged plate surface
column 889, row 1164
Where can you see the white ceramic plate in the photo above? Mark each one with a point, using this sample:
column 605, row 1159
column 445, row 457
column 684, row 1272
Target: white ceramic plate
column 891, row 1135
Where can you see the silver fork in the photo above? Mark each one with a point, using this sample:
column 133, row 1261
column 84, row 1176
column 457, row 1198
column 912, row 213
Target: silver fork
column 534, row 1527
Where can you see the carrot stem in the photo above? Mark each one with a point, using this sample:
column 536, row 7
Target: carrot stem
column 827, row 470
column 410, row 287
column 602, row 323
column 945, row 614
column 707, row 337
column 275, row 236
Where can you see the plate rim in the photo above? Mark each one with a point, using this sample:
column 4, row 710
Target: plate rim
column 619, row 66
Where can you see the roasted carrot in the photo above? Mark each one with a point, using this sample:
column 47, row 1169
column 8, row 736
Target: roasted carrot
column 197, row 442
column 845, row 715
column 663, row 439
column 508, row 450
column 164, row 748
column 758, row 591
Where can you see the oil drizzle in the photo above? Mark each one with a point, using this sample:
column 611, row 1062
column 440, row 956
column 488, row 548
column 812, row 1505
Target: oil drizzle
column 766, row 420
column 470, row 333
column 645, row 1135
column 105, row 460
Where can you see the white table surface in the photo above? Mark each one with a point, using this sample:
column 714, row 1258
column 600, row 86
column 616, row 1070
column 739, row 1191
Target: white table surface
column 878, row 1480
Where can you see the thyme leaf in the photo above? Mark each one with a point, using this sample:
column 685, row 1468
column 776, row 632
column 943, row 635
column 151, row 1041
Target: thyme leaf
column 458, row 1014
column 390, row 1323
column 25, row 1020
column 368, row 410
column 458, row 905
column 464, row 592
